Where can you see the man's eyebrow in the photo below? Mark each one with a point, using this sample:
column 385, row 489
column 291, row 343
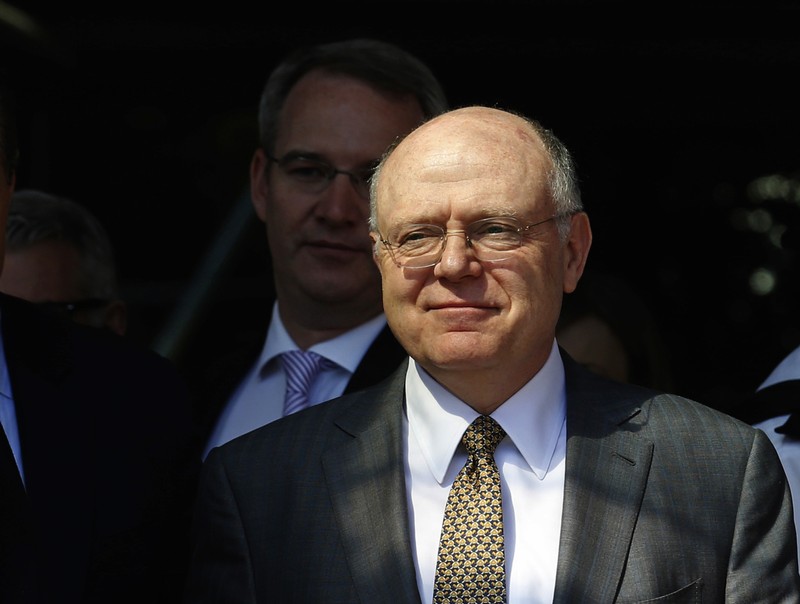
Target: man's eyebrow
column 300, row 154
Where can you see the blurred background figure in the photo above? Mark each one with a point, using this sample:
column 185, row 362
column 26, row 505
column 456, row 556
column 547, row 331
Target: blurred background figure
column 59, row 256
column 606, row 326
column 98, row 451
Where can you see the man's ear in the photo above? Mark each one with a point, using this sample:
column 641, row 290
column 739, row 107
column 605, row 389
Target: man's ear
column 259, row 185
column 374, row 238
column 576, row 251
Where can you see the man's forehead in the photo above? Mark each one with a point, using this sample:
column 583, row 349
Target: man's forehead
column 456, row 136
column 441, row 161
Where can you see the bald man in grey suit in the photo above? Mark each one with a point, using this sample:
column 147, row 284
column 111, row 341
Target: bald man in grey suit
column 610, row 492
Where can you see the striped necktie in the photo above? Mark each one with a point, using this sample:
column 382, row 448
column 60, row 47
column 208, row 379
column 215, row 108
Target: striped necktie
column 300, row 367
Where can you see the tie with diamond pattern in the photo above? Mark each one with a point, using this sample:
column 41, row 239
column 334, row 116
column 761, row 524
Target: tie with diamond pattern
column 300, row 367
column 471, row 565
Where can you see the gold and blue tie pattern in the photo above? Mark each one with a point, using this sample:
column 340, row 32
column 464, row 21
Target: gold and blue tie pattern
column 471, row 564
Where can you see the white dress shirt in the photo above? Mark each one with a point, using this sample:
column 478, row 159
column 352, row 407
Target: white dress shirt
column 8, row 411
column 788, row 448
column 258, row 400
column 787, row 369
column 531, row 464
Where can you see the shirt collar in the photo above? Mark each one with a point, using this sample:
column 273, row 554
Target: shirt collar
column 532, row 418
column 345, row 350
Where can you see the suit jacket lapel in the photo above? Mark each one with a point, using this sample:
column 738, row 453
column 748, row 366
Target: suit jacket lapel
column 366, row 479
column 382, row 357
column 606, row 474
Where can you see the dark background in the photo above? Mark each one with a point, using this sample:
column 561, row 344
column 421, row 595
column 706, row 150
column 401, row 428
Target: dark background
column 685, row 139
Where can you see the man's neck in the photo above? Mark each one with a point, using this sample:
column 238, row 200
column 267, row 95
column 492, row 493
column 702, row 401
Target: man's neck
column 313, row 328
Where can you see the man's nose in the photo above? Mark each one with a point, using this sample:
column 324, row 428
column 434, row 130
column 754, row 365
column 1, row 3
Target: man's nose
column 458, row 257
column 341, row 200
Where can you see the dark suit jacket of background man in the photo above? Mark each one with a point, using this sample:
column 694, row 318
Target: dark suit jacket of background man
column 109, row 452
column 645, row 513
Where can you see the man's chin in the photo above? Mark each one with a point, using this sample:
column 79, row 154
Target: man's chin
column 332, row 256
column 341, row 290
column 462, row 351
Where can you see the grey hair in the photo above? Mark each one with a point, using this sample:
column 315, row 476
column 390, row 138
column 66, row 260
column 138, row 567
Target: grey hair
column 562, row 180
column 382, row 65
column 36, row 217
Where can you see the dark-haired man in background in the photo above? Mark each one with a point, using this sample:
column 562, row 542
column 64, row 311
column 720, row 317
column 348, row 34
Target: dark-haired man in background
column 327, row 114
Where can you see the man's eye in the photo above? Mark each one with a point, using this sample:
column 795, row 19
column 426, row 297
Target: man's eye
column 306, row 171
column 419, row 235
column 494, row 228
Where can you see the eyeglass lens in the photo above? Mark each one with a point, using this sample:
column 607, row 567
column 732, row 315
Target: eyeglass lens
column 315, row 175
column 491, row 240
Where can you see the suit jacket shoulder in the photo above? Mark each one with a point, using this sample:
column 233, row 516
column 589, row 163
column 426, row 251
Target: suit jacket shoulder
column 665, row 499
column 334, row 506
column 653, row 478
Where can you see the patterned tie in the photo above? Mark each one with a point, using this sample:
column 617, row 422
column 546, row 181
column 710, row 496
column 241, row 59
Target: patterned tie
column 300, row 367
column 471, row 565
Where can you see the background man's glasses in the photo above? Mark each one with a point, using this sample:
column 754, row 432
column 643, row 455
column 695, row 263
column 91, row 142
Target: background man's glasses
column 491, row 240
column 314, row 175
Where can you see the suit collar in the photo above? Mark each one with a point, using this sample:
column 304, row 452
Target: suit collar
column 607, row 467
column 606, row 473
column 345, row 349
column 366, row 480
column 533, row 418
column 383, row 356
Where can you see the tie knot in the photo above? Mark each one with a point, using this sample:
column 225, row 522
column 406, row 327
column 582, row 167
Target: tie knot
column 301, row 362
column 482, row 436
column 297, row 360
column 301, row 367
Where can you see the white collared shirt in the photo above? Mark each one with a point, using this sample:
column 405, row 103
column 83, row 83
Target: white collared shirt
column 787, row 369
column 531, row 464
column 258, row 400
column 788, row 448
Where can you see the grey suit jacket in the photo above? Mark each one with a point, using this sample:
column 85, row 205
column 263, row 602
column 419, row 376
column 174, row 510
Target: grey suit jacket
column 665, row 499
